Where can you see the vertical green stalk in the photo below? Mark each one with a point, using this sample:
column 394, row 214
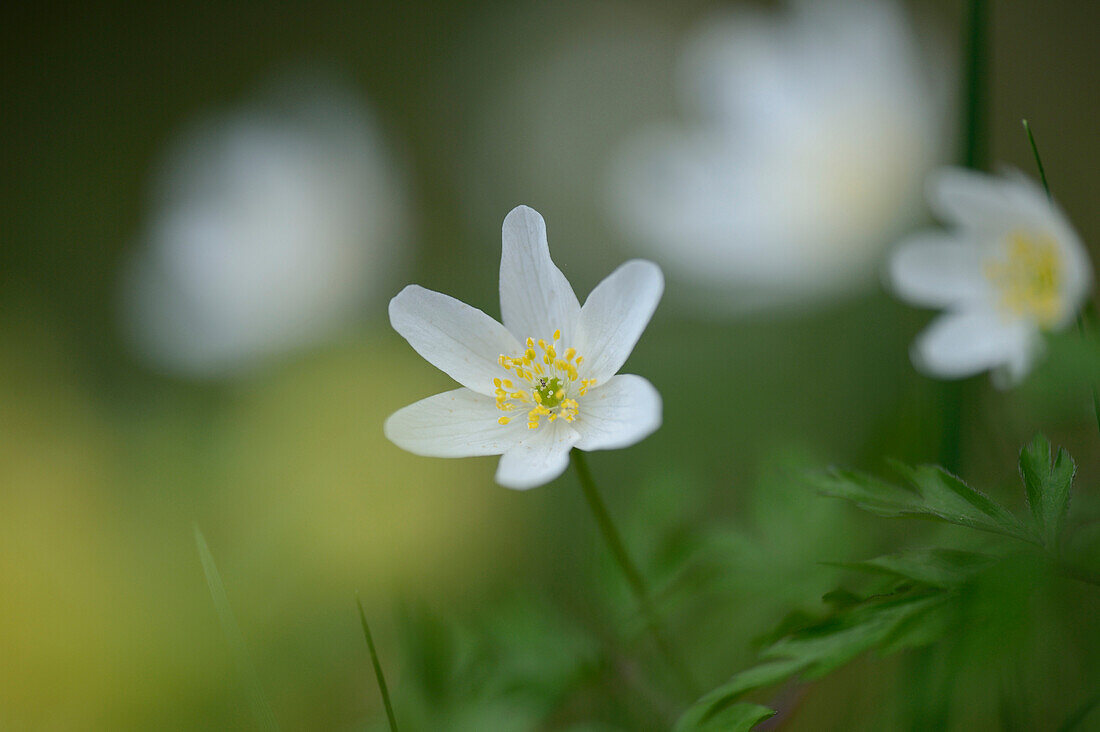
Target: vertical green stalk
column 382, row 688
column 1080, row 317
column 974, row 154
column 634, row 578
column 974, row 151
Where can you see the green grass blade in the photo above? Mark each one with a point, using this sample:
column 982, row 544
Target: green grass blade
column 265, row 718
column 382, row 688
column 1038, row 160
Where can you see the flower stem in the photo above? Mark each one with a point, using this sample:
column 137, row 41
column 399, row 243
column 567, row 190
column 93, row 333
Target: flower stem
column 382, row 688
column 634, row 578
column 974, row 151
column 1080, row 318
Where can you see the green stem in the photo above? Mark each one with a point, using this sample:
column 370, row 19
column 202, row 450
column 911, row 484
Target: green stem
column 382, row 688
column 634, row 578
column 974, row 151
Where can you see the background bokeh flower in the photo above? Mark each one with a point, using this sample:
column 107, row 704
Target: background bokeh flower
column 809, row 129
column 1010, row 269
column 272, row 226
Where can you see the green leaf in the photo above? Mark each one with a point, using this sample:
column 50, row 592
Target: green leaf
column 890, row 622
column 935, row 493
column 944, row 568
column 723, row 697
column 739, row 717
column 837, row 640
column 1047, row 486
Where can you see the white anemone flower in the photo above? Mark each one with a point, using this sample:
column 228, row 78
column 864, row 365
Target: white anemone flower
column 274, row 225
column 1010, row 269
column 542, row 383
column 809, row 131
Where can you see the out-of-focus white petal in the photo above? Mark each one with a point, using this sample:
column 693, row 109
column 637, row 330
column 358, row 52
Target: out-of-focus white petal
column 614, row 316
column 539, row 459
column 456, row 338
column 271, row 227
column 535, row 297
column 987, row 203
column 814, row 129
column 969, row 342
column 619, row 413
column 938, row 270
column 457, row 423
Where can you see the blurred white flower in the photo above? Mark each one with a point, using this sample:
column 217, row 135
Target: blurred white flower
column 814, row 129
column 1011, row 268
column 273, row 226
column 543, row 382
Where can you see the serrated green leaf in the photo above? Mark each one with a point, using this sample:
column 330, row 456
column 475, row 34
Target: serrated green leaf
column 868, row 492
column 739, row 717
column 949, row 498
column 1047, row 486
column 887, row 622
column 944, row 568
column 938, row 494
column 839, row 639
column 714, row 702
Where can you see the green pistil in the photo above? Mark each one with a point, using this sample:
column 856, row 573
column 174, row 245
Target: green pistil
column 548, row 390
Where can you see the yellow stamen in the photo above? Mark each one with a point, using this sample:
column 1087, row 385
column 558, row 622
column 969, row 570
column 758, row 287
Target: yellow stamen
column 1029, row 278
column 544, row 384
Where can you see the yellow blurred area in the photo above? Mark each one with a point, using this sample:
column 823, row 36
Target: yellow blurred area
column 108, row 619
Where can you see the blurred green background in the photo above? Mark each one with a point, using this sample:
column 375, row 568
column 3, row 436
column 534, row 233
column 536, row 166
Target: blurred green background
column 493, row 609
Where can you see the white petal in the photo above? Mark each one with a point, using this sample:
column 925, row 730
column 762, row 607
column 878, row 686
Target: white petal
column 455, row 423
column 614, row 316
column 539, row 459
column 459, row 340
column 988, row 202
column 619, row 413
column 937, row 270
column 535, row 297
column 968, row 342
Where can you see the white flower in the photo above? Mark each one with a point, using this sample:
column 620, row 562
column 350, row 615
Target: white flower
column 812, row 129
column 543, row 382
column 1011, row 268
column 273, row 226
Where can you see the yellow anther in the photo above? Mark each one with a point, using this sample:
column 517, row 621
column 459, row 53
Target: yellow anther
column 544, row 384
column 579, row 359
